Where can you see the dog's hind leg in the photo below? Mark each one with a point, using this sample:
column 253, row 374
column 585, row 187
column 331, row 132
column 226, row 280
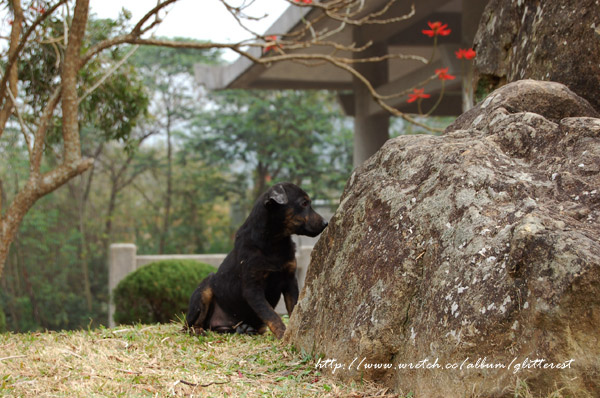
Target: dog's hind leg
column 198, row 308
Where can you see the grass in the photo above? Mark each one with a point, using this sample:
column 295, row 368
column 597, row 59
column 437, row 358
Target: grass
column 160, row 361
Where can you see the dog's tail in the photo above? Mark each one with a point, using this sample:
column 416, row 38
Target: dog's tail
column 199, row 305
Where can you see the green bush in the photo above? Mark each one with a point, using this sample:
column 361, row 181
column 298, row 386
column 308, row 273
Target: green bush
column 158, row 292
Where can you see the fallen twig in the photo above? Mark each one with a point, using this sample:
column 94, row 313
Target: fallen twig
column 131, row 372
column 122, row 330
column 71, row 353
column 187, row 383
column 12, row 357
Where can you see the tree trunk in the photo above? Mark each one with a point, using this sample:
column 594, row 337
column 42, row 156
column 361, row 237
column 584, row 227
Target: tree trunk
column 112, row 204
column 262, row 171
column 169, row 191
column 79, row 192
column 9, row 224
column 83, row 196
column 13, row 290
column 29, row 290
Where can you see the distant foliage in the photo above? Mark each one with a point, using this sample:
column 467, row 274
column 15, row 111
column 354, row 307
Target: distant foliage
column 288, row 135
column 2, row 321
column 158, row 292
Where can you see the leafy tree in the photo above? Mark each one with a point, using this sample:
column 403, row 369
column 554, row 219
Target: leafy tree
column 56, row 276
column 43, row 73
column 277, row 135
column 33, row 282
column 169, row 74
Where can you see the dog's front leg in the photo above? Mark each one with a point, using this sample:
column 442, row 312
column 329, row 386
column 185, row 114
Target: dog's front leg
column 290, row 293
column 254, row 295
column 290, row 286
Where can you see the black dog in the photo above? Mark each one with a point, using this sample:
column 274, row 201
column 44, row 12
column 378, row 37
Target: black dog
column 241, row 296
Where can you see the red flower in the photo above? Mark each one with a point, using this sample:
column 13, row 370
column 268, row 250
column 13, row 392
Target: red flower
column 466, row 54
column 443, row 74
column 272, row 46
column 39, row 9
column 417, row 93
column 304, row 1
column 437, row 29
column 470, row 54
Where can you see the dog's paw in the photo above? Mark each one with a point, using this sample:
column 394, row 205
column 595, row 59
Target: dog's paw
column 279, row 334
column 245, row 329
column 194, row 330
column 278, row 331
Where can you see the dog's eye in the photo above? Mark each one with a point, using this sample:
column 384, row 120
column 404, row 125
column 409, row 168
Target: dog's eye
column 305, row 203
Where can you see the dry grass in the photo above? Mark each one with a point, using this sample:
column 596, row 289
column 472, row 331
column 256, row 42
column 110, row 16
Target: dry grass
column 159, row 361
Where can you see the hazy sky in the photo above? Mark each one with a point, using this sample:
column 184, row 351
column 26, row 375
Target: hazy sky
column 198, row 19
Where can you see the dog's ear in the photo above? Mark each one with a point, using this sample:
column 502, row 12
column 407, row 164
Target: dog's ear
column 276, row 195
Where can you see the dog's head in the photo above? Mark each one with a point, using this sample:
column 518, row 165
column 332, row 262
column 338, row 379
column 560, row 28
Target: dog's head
column 291, row 207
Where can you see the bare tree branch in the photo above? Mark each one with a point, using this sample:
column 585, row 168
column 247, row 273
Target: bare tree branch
column 23, row 125
column 108, row 73
column 137, row 31
column 40, row 135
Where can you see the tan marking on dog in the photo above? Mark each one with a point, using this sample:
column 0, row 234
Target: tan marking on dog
column 292, row 221
column 278, row 328
column 290, row 266
column 207, row 296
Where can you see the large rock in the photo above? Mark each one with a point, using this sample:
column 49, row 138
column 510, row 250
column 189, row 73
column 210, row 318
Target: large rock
column 481, row 244
column 544, row 40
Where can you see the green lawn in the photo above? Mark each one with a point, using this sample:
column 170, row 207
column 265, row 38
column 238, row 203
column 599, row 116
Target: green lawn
column 159, row 360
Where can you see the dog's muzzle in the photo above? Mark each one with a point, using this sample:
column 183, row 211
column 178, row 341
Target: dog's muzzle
column 316, row 225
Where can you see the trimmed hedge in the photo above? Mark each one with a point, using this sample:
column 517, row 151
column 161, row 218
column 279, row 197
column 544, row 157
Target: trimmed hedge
column 158, row 292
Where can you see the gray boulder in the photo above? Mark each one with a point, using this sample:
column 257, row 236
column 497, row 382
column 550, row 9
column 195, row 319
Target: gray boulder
column 462, row 264
column 544, row 40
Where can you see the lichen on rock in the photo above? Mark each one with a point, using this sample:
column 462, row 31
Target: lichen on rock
column 544, row 40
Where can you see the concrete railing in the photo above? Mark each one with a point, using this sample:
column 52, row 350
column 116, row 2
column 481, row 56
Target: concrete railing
column 123, row 259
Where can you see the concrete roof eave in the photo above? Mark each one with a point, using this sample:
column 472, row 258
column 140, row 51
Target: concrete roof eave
column 403, row 37
column 244, row 69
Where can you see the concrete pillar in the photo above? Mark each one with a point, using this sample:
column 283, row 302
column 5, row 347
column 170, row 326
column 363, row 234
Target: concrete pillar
column 122, row 261
column 468, row 94
column 370, row 131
